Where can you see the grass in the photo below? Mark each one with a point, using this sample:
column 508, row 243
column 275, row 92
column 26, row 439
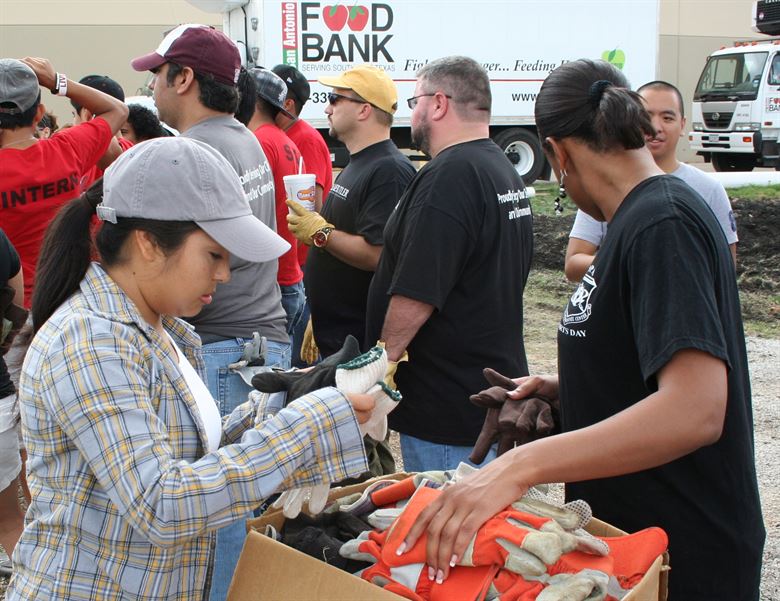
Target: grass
column 755, row 192
column 543, row 203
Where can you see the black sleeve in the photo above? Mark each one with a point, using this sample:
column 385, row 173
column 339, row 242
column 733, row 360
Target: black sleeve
column 436, row 245
column 385, row 188
column 9, row 259
column 672, row 275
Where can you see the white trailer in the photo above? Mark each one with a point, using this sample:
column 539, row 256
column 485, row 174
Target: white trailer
column 519, row 43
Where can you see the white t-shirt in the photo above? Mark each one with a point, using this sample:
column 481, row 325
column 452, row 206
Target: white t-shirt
column 207, row 408
column 588, row 229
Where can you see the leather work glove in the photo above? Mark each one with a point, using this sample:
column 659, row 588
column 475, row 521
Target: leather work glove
column 392, row 366
column 303, row 224
column 511, row 422
column 309, row 350
column 298, row 383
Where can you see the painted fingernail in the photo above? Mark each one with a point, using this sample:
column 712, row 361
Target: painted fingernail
column 453, row 561
column 431, row 574
column 401, row 548
column 439, row 577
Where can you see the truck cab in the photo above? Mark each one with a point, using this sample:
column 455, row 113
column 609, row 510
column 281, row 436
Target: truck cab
column 736, row 107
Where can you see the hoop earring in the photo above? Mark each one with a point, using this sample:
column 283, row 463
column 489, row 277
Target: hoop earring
column 561, row 194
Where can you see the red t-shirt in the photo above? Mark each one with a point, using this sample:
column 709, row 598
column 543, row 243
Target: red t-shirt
column 283, row 156
column 317, row 158
column 36, row 181
column 95, row 172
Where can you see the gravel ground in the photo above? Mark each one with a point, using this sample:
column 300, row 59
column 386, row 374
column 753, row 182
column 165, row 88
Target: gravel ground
column 764, row 356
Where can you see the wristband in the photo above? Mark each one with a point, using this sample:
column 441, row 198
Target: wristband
column 60, row 85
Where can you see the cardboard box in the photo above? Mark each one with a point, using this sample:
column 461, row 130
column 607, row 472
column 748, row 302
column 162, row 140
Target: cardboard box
column 270, row 571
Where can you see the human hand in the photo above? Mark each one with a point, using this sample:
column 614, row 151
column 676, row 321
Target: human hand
column 303, row 223
column 545, row 386
column 43, row 69
column 392, row 366
column 362, row 404
column 454, row 517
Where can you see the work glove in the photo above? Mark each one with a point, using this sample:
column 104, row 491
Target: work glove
column 309, row 350
column 364, row 374
column 586, row 585
column 510, row 422
column 303, row 224
column 392, row 366
column 13, row 317
column 411, row 581
column 291, row 501
column 297, row 383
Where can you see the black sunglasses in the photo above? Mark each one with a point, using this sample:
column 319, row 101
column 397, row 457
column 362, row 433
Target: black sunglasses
column 333, row 98
column 412, row 102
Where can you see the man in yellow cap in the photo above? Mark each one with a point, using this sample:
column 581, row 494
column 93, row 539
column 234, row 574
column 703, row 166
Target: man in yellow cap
column 346, row 239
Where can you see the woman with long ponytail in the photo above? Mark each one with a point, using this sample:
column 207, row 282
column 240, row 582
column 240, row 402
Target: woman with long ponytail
column 652, row 370
column 130, row 467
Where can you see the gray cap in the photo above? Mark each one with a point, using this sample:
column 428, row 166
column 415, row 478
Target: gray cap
column 181, row 179
column 271, row 87
column 18, row 86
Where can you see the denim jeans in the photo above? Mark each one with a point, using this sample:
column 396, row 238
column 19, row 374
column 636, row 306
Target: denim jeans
column 297, row 337
column 422, row 455
column 293, row 301
column 229, row 390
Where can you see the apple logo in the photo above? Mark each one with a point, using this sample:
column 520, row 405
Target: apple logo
column 616, row 57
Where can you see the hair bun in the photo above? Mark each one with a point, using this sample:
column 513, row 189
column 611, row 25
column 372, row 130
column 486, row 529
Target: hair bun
column 596, row 91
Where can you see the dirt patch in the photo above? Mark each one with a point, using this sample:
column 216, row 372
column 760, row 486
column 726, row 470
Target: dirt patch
column 758, row 250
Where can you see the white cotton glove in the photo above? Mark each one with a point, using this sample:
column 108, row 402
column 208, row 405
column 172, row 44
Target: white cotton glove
column 365, row 375
column 292, row 500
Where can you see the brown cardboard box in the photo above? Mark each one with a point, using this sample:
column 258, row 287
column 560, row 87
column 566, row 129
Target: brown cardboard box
column 270, row 571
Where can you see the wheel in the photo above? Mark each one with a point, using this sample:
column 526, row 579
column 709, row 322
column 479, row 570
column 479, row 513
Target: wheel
column 524, row 151
column 733, row 162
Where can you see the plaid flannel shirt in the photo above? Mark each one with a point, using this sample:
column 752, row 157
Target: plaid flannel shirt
column 124, row 501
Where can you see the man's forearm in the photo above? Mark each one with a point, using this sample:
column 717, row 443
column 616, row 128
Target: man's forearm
column 353, row 250
column 405, row 316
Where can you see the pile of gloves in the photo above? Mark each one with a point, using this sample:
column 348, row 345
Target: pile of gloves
column 531, row 550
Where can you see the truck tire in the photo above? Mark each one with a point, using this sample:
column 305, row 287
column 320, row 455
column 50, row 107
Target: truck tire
column 524, row 151
column 722, row 161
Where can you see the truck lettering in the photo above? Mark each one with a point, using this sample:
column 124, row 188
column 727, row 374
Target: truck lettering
column 367, row 47
column 340, row 46
column 375, row 10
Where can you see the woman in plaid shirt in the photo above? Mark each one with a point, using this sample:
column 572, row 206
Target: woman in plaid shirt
column 130, row 469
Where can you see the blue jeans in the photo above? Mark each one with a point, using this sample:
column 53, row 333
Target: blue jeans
column 297, row 337
column 229, row 390
column 423, row 456
column 294, row 302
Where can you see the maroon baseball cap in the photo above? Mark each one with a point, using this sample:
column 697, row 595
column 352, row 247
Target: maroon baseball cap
column 199, row 47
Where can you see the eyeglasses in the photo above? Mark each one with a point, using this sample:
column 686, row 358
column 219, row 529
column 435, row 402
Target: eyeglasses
column 412, row 102
column 333, row 98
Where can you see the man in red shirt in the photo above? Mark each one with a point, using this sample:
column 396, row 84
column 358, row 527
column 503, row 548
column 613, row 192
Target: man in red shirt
column 316, row 155
column 38, row 176
column 285, row 159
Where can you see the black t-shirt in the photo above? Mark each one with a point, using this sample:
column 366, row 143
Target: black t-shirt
column 461, row 239
column 662, row 281
column 9, row 267
column 359, row 203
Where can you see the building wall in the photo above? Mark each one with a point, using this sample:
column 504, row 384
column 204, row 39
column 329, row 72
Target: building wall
column 83, row 37
column 101, row 36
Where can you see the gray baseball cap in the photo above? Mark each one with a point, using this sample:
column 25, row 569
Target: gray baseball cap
column 271, row 87
column 18, row 86
column 181, row 179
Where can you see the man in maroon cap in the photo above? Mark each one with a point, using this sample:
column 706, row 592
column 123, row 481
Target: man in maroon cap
column 196, row 70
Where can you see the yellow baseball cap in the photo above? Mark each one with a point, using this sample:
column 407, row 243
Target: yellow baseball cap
column 371, row 83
